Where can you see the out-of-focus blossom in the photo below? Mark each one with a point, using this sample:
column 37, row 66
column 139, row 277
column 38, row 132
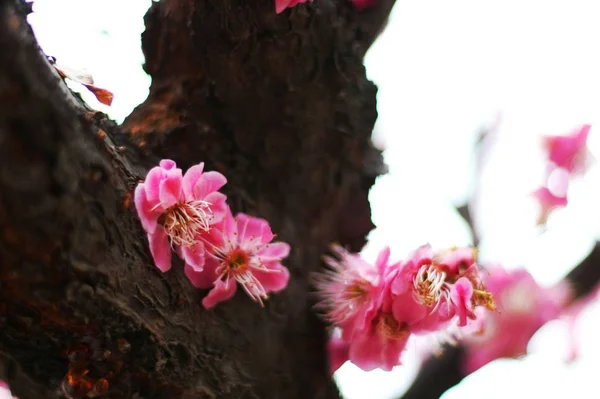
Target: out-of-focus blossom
column 338, row 349
column 548, row 202
column 523, row 307
column 377, row 307
column 177, row 209
column 430, row 288
column 381, row 343
column 351, row 289
column 363, row 4
column 239, row 250
column 572, row 314
column 281, row 5
column 569, row 151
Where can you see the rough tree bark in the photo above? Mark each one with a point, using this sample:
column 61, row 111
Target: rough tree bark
column 278, row 103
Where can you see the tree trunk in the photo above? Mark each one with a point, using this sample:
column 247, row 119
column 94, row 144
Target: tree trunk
column 278, row 103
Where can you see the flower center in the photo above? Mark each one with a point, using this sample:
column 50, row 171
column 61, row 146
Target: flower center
column 237, row 260
column 389, row 327
column 483, row 298
column 430, row 285
column 183, row 222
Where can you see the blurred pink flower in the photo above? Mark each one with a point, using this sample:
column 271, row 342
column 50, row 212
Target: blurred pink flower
column 178, row 209
column 430, row 288
column 281, row 5
column 363, row 4
column 350, row 289
column 569, row 151
column 381, row 343
column 240, row 250
column 523, row 307
column 338, row 349
column 548, row 202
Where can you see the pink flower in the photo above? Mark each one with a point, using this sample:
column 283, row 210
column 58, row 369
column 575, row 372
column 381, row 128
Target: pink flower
column 431, row 287
column 569, row 152
column 281, row 5
column 350, row 289
column 240, row 250
column 523, row 307
column 338, row 349
column 178, row 209
column 548, row 202
column 363, row 4
column 381, row 343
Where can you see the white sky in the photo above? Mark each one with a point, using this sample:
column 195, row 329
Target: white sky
column 444, row 69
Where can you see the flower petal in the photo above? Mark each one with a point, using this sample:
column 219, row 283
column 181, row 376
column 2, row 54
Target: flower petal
column 170, row 188
column 252, row 230
column 160, row 249
column 204, row 279
column 218, row 206
column 274, row 252
column 189, row 180
column 275, row 280
column 461, row 294
column 147, row 215
column 222, row 291
column 194, row 256
column 207, row 183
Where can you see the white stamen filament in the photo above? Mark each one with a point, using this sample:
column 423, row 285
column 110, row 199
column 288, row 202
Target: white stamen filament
column 431, row 286
column 242, row 270
column 184, row 222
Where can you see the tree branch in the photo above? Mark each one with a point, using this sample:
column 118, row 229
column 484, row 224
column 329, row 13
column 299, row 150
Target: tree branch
column 438, row 374
column 279, row 104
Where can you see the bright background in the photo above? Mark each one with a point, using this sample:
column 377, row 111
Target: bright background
column 445, row 69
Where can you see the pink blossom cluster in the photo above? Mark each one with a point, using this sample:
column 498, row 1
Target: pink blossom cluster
column 523, row 307
column 187, row 213
column 567, row 156
column 375, row 308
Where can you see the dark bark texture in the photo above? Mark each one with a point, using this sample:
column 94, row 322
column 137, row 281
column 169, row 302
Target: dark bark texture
column 278, row 103
column 440, row 373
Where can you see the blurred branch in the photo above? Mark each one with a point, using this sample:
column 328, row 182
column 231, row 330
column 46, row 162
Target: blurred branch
column 440, row 373
column 465, row 213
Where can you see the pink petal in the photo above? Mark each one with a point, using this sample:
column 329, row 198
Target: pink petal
column 382, row 259
column 281, row 5
column 207, row 183
column 152, row 184
column 365, row 352
column 167, row 164
column 222, row 291
column 170, row 188
column 253, row 230
column 274, row 252
column 194, row 256
column 204, row 279
column 189, row 181
column 160, row 249
column 274, row 281
column 338, row 353
column 461, row 294
column 218, row 206
column 147, row 216
column 222, row 232
column 406, row 309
